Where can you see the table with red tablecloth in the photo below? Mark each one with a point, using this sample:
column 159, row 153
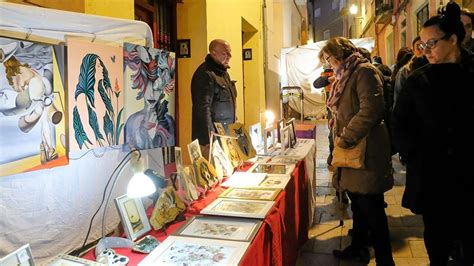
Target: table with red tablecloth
column 283, row 232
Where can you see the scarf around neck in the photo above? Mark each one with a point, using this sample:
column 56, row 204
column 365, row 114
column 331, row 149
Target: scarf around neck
column 342, row 75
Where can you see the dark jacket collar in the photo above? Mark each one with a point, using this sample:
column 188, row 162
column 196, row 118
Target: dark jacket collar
column 215, row 66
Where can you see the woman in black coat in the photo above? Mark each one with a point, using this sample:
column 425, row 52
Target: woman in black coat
column 430, row 129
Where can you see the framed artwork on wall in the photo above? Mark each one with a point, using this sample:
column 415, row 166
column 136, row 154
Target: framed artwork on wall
column 224, row 228
column 133, row 216
column 247, row 54
column 184, row 48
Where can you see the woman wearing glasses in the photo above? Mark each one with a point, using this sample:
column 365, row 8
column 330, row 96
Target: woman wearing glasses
column 357, row 103
column 429, row 127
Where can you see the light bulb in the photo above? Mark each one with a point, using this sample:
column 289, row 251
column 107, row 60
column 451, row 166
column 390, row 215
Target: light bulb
column 140, row 186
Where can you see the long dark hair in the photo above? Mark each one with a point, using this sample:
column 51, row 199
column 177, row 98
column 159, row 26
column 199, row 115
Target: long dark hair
column 448, row 21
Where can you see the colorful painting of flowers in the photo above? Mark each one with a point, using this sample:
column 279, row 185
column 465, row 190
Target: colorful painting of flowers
column 150, row 97
column 96, row 99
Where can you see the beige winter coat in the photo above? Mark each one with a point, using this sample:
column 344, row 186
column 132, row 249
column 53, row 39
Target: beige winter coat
column 360, row 113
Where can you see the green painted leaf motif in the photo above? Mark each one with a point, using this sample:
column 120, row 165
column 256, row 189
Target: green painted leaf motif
column 79, row 132
column 120, row 125
column 105, row 97
column 105, row 74
column 87, row 78
column 108, row 128
column 94, row 124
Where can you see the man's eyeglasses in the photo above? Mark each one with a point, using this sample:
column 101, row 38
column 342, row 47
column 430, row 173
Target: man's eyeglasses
column 431, row 44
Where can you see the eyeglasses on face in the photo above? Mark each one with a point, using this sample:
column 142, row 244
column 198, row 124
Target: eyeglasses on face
column 431, row 43
column 326, row 58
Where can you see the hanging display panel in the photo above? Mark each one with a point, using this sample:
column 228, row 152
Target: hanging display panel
column 150, row 97
column 95, row 85
column 32, row 122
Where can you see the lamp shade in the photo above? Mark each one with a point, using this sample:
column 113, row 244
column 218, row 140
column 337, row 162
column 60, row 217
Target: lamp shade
column 140, row 186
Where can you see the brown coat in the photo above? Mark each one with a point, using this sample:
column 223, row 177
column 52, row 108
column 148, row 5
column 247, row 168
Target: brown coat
column 360, row 113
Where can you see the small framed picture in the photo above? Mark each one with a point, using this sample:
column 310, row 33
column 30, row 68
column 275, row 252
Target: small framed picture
column 184, row 48
column 238, row 208
column 272, row 168
column 255, row 132
column 268, row 140
column 180, row 250
column 285, row 140
column 244, row 179
column 291, row 124
column 178, row 158
column 251, row 193
column 67, row 260
column 247, row 54
column 281, row 124
column 21, row 256
column 133, row 216
column 225, row 228
column 194, row 151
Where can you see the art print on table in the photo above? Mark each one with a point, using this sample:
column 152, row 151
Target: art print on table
column 177, row 250
column 245, row 147
column 133, row 216
column 96, row 102
column 167, row 208
column 194, row 150
column 149, row 82
column 221, row 162
column 255, row 132
column 275, row 181
column 268, row 140
column 238, row 208
column 206, row 175
column 230, row 147
column 32, row 106
column 251, row 193
column 291, row 124
column 68, row 260
column 188, row 182
column 285, row 140
column 219, row 128
column 272, row 168
column 178, row 159
column 225, row 228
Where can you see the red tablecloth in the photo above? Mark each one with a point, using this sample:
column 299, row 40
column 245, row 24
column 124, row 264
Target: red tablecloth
column 283, row 232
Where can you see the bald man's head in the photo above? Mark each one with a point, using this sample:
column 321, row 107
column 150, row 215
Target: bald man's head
column 220, row 51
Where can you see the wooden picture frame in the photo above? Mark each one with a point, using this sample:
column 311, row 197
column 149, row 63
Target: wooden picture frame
column 64, row 259
column 272, row 168
column 238, row 208
column 291, row 123
column 184, row 48
column 247, row 54
column 250, row 193
column 133, row 216
column 223, row 228
column 180, row 250
column 21, row 256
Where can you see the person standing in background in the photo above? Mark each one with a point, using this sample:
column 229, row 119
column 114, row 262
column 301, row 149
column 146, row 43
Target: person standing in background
column 433, row 139
column 213, row 94
column 467, row 18
column 358, row 108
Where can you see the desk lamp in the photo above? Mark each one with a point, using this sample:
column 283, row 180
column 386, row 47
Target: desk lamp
column 140, row 185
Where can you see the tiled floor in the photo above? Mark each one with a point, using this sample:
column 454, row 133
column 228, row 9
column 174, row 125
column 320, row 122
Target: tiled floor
column 406, row 229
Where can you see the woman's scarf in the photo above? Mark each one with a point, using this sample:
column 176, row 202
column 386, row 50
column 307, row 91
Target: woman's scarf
column 342, row 75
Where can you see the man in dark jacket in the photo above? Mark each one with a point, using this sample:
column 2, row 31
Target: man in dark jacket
column 213, row 92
